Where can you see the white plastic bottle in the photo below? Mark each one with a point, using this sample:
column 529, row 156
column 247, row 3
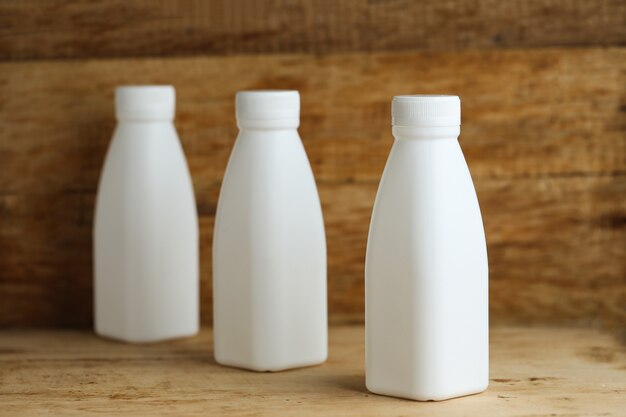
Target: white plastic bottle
column 146, row 227
column 426, row 273
column 269, row 247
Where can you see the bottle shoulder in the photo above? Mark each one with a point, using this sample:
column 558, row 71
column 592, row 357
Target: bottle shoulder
column 424, row 186
column 261, row 156
column 436, row 167
column 149, row 163
column 269, row 178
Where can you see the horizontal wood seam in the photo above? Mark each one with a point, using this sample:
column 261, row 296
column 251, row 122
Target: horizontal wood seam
column 591, row 175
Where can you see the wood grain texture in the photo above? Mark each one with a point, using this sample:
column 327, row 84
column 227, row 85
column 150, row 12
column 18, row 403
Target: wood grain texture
column 36, row 29
column 556, row 251
column 543, row 133
column 525, row 113
column 534, row 372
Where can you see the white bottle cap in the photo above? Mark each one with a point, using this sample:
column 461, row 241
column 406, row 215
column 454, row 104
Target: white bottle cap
column 268, row 108
column 426, row 111
column 145, row 102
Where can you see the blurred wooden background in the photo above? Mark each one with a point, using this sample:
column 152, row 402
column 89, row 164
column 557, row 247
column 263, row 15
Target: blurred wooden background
column 543, row 90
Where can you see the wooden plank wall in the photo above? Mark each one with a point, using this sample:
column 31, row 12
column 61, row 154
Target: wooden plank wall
column 543, row 88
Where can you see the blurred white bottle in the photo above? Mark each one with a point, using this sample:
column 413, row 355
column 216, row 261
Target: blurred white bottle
column 146, row 227
column 269, row 247
column 426, row 276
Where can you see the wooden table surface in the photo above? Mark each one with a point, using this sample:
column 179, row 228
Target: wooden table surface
column 534, row 372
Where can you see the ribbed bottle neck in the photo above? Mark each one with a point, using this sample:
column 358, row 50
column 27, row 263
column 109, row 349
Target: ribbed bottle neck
column 135, row 120
column 268, row 124
column 145, row 103
column 430, row 132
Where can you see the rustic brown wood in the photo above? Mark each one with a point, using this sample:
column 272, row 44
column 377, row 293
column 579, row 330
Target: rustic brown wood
column 543, row 134
column 557, row 250
column 534, row 372
column 79, row 29
column 525, row 113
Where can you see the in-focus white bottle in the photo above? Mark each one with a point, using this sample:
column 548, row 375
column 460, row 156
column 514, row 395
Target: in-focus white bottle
column 146, row 227
column 269, row 247
column 426, row 274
